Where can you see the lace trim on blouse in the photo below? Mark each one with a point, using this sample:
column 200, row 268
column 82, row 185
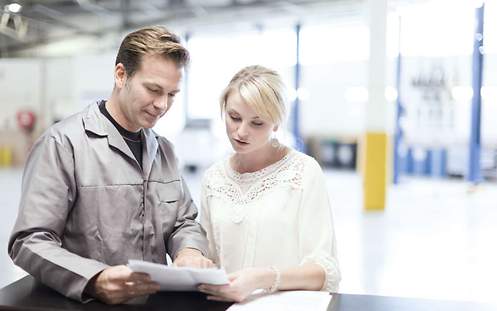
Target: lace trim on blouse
column 241, row 189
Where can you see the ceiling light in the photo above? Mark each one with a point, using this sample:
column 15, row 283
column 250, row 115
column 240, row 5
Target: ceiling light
column 13, row 7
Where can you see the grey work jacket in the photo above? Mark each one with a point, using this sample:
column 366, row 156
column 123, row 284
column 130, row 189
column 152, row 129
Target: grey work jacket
column 86, row 204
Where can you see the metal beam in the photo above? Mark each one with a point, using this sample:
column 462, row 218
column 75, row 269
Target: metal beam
column 295, row 112
column 398, row 135
column 186, row 12
column 474, row 169
column 56, row 18
column 126, row 14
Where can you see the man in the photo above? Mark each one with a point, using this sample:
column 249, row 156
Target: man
column 100, row 187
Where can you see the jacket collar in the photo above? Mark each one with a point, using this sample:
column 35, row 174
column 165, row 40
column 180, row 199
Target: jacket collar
column 95, row 122
column 150, row 147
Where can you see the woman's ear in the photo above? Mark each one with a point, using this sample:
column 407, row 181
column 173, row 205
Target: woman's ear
column 120, row 75
column 275, row 128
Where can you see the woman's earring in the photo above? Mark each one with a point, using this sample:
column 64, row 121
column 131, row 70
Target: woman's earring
column 275, row 143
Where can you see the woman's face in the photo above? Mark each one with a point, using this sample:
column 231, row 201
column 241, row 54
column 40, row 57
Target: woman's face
column 246, row 130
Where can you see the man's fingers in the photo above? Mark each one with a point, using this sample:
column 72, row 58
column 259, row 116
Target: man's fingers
column 130, row 290
column 208, row 264
column 141, row 288
column 145, row 289
column 139, row 277
column 195, row 262
column 203, row 262
column 115, row 297
column 118, row 273
column 119, row 284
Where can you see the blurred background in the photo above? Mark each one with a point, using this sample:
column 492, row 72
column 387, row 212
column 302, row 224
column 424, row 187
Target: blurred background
column 423, row 73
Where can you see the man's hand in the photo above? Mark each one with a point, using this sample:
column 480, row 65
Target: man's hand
column 189, row 257
column 119, row 283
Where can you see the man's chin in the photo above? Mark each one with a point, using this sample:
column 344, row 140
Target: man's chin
column 148, row 125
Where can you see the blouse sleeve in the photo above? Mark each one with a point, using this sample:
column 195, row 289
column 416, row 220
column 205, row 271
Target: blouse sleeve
column 206, row 223
column 317, row 242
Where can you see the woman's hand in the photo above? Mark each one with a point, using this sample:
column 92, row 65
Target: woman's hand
column 242, row 284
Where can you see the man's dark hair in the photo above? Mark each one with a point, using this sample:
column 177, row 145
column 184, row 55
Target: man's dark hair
column 155, row 40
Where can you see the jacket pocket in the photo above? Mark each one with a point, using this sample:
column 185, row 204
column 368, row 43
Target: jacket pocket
column 169, row 192
column 168, row 200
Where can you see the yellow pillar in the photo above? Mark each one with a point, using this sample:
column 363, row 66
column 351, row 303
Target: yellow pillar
column 375, row 148
column 375, row 174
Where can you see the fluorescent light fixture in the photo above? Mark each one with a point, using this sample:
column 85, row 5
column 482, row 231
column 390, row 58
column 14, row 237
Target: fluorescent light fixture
column 356, row 94
column 302, row 94
column 13, row 7
column 419, row 154
column 478, row 3
column 360, row 94
column 391, row 93
column 462, row 93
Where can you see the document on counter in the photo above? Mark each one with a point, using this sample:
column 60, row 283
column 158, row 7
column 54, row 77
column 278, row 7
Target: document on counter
column 285, row 301
column 173, row 278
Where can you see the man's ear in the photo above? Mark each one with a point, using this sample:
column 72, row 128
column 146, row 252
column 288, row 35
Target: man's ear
column 120, row 75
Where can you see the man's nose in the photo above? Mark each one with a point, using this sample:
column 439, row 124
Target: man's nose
column 161, row 102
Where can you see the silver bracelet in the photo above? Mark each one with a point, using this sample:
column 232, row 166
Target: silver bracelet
column 276, row 283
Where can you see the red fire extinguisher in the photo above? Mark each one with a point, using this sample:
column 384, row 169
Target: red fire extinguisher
column 26, row 120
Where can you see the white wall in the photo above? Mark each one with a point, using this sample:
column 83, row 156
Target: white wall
column 93, row 77
column 59, row 88
column 20, row 88
column 337, row 98
column 326, row 110
column 54, row 88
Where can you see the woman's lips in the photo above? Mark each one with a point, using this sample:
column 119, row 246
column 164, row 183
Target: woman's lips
column 241, row 142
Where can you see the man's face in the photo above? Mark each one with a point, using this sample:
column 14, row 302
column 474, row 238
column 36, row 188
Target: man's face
column 146, row 96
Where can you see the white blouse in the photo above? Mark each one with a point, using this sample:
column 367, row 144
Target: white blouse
column 279, row 216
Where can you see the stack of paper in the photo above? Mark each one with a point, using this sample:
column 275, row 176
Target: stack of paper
column 173, row 278
column 286, row 301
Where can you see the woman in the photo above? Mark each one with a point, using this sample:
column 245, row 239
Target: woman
column 265, row 209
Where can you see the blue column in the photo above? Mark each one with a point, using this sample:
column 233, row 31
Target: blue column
column 410, row 161
column 400, row 111
column 295, row 112
column 443, row 163
column 474, row 173
column 439, row 162
column 428, row 163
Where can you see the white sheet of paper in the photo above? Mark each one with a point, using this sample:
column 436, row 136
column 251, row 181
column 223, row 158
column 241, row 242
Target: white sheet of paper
column 179, row 278
column 287, row 301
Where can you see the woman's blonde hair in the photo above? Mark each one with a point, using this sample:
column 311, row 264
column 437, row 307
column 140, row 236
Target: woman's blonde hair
column 260, row 88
